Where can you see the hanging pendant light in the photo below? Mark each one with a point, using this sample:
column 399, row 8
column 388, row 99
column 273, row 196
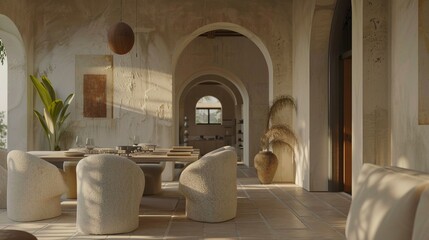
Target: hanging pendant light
column 120, row 37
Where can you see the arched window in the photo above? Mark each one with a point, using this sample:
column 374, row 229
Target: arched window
column 208, row 111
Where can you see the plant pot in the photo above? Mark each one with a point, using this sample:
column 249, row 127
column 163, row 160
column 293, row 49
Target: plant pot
column 266, row 164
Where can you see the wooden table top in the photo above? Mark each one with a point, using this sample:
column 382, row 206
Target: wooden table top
column 138, row 158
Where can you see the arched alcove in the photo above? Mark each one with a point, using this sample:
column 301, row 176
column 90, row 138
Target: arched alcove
column 17, row 109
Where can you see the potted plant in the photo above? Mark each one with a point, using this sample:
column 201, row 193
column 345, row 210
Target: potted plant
column 55, row 111
column 266, row 161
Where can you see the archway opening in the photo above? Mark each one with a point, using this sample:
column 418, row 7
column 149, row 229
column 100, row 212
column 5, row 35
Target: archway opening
column 17, row 103
column 224, row 62
column 340, row 106
column 211, row 93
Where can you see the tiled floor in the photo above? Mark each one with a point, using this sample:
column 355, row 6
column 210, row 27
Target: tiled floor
column 276, row 211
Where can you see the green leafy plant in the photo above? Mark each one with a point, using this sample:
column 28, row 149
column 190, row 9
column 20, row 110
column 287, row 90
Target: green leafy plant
column 55, row 110
column 2, row 52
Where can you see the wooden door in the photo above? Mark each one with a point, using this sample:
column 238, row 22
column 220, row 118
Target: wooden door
column 347, row 127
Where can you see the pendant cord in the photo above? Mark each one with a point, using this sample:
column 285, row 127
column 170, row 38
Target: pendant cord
column 135, row 31
column 121, row 9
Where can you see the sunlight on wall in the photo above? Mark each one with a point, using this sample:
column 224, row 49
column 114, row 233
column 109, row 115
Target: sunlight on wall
column 403, row 162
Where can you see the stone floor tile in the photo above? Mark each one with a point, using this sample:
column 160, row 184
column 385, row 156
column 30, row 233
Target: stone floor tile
column 270, row 211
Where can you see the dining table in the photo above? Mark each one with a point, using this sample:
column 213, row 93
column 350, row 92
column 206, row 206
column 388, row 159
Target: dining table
column 173, row 154
column 69, row 160
column 138, row 158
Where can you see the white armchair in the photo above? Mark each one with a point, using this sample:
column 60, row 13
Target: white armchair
column 34, row 188
column 3, row 178
column 210, row 187
column 109, row 191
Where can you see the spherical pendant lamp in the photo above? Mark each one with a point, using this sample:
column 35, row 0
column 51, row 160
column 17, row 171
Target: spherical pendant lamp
column 121, row 38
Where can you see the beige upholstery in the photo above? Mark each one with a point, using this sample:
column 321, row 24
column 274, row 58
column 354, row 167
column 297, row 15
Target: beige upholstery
column 69, row 174
column 34, row 188
column 421, row 221
column 109, row 191
column 3, row 178
column 210, row 187
column 384, row 204
column 221, row 149
column 152, row 176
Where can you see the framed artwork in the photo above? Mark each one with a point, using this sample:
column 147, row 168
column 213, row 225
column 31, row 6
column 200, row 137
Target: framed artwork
column 94, row 86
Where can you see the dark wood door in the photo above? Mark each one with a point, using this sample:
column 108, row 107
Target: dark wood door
column 347, row 127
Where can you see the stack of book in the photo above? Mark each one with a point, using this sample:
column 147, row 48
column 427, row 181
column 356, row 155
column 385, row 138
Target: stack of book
column 180, row 151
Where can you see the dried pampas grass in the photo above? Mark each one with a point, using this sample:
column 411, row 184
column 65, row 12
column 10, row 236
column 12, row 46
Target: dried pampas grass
column 278, row 104
column 278, row 134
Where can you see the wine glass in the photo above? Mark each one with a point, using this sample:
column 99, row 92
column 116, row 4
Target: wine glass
column 89, row 143
column 78, row 142
column 136, row 140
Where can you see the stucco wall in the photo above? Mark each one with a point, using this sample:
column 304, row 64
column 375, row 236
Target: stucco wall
column 143, row 78
column 302, row 20
column 311, row 31
column 410, row 141
column 371, row 84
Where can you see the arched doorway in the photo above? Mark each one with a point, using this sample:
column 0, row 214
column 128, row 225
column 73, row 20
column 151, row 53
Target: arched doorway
column 17, row 103
column 230, row 131
column 242, row 83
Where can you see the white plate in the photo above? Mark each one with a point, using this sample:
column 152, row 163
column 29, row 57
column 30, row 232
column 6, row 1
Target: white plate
column 74, row 154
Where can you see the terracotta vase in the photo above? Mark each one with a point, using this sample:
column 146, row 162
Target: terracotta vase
column 266, row 164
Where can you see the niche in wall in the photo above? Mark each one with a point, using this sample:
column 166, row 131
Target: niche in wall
column 423, row 62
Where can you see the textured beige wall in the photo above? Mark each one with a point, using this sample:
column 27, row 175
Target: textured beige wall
column 410, row 144
column 311, row 31
column 371, row 131
column 423, row 36
column 319, row 82
column 144, row 84
column 376, row 83
column 302, row 20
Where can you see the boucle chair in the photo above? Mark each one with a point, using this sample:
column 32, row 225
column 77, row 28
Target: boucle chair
column 109, row 191
column 210, row 187
column 152, row 177
column 34, row 188
column 3, row 178
column 221, row 149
